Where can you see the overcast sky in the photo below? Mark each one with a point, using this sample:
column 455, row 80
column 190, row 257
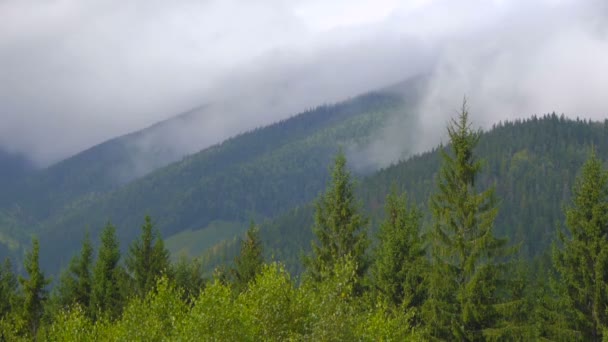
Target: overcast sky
column 74, row 73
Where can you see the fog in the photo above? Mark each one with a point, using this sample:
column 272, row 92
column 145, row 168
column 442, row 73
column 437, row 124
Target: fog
column 76, row 73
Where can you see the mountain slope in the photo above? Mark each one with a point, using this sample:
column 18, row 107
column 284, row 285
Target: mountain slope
column 254, row 175
column 96, row 170
column 13, row 166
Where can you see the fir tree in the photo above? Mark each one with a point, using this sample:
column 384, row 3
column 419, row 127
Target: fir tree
column 582, row 263
column 250, row 260
column 339, row 226
column 107, row 298
column 188, row 276
column 75, row 285
column 464, row 280
column 34, row 293
column 8, row 288
column 147, row 259
column 400, row 262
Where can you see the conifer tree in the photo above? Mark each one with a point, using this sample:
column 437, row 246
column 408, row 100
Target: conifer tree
column 75, row 285
column 400, row 262
column 8, row 288
column 147, row 259
column 34, row 293
column 582, row 263
column 107, row 298
column 340, row 228
column 188, row 276
column 250, row 260
column 464, row 279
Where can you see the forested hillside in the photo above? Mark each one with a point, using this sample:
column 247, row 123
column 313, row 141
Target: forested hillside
column 532, row 162
column 455, row 268
column 14, row 166
column 254, row 175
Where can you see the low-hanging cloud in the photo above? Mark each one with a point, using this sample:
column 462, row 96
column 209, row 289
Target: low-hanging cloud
column 521, row 59
column 75, row 73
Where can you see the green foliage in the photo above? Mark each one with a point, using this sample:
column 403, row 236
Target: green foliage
column 13, row 327
column 188, row 276
column 400, row 264
column 8, row 288
column 387, row 323
column 517, row 320
column 275, row 310
column 250, row 260
column 73, row 325
column 464, row 284
column 340, row 228
column 75, row 284
column 215, row 317
column 582, row 263
column 153, row 318
column 147, row 259
column 34, row 292
column 108, row 276
column 332, row 302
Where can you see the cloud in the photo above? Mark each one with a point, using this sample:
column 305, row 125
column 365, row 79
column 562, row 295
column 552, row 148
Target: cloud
column 75, row 73
column 518, row 59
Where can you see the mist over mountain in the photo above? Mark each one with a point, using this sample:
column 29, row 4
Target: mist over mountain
column 77, row 74
column 14, row 166
column 344, row 170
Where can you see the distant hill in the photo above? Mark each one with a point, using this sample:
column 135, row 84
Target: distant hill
column 97, row 170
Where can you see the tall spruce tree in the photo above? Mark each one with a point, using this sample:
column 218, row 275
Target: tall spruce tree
column 34, row 293
column 76, row 283
column 582, row 263
column 340, row 228
column 147, row 259
column 107, row 297
column 464, row 282
column 250, row 260
column 400, row 262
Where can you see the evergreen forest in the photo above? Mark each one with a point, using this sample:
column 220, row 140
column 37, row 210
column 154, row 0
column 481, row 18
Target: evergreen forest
column 495, row 236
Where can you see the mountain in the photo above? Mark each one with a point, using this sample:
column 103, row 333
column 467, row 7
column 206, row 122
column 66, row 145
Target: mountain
column 98, row 169
column 253, row 175
column 14, row 167
column 533, row 164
